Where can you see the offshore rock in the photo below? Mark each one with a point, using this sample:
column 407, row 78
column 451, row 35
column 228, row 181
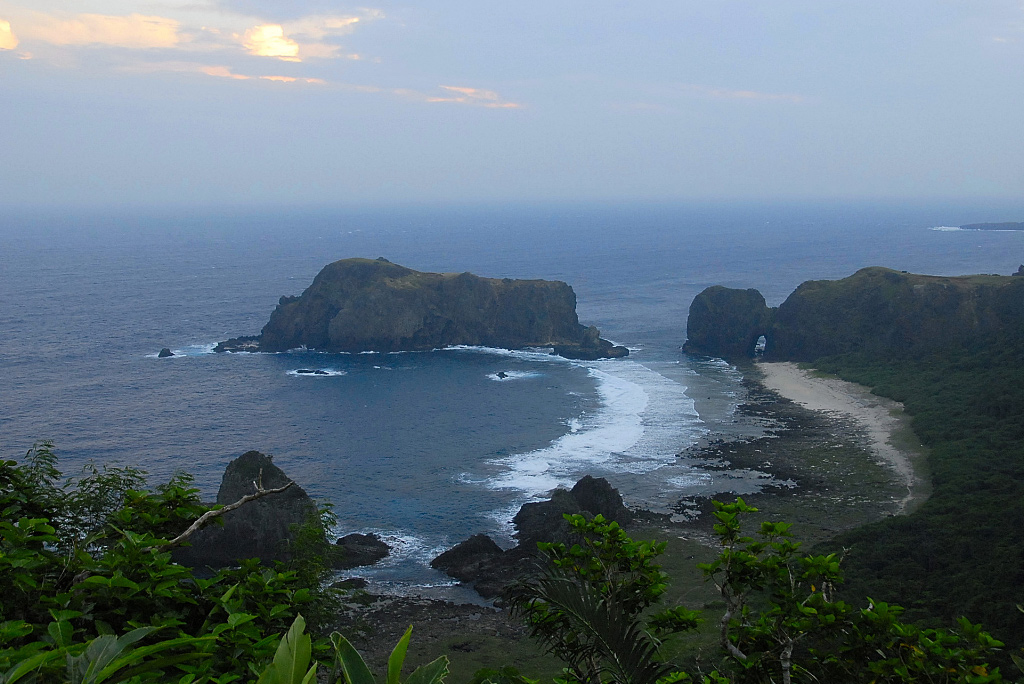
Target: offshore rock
column 164, row 353
column 466, row 560
column 356, row 305
column 727, row 322
column 360, row 549
column 262, row 529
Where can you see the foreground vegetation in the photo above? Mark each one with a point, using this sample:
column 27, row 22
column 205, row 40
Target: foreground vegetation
column 90, row 594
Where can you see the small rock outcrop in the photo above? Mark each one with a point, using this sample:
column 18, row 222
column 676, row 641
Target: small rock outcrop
column 481, row 562
column 544, row 521
column 356, row 305
column 360, row 549
column 727, row 322
column 262, row 529
column 164, row 353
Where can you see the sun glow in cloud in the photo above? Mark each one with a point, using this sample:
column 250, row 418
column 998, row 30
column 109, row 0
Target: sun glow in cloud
column 223, row 72
column 8, row 41
column 215, row 70
column 131, row 31
column 473, row 96
column 269, row 40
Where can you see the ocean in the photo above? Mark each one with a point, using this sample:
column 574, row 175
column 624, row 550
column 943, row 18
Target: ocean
column 423, row 448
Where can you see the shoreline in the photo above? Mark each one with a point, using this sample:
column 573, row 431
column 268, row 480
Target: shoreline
column 886, row 425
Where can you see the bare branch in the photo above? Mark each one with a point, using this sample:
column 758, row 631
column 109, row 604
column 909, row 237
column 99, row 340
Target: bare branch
column 210, row 515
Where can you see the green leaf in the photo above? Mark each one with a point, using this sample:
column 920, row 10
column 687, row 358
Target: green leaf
column 30, row 664
column 61, row 632
column 352, row 664
column 431, row 673
column 292, row 658
column 398, row 657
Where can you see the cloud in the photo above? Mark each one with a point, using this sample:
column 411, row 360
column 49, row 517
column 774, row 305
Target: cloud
column 215, row 70
column 729, row 94
column 472, row 96
column 8, row 41
column 269, row 40
column 292, row 79
column 132, row 31
column 222, row 72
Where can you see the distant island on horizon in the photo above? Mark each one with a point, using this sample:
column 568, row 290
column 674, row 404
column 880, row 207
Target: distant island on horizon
column 1007, row 225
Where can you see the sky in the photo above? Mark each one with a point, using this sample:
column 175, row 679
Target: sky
column 319, row 102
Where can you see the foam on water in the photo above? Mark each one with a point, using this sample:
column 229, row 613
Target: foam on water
column 317, row 372
column 946, row 229
column 189, row 350
column 642, row 421
column 505, row 376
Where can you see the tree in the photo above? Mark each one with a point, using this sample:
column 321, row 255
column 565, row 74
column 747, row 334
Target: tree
column 588, row 607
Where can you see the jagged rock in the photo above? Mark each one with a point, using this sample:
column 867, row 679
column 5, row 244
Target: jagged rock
column 464, row 560
column 543, row 521
column 358, row 305
column 245, row 343
column 361, row 549
column 480, row 561
column 164, row 353
column 350, row 583
column 726, row 322
column 595, row 495
column 262, row 529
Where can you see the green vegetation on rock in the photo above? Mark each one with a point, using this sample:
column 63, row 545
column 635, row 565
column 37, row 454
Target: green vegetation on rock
column 951, row 350
column 356, row 305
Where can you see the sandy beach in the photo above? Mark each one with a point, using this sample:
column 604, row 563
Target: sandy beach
column 882, row 419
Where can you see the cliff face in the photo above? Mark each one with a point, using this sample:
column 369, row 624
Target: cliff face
column 358, row 305
column 897, row 314
column 875, row 310
column 726, row 322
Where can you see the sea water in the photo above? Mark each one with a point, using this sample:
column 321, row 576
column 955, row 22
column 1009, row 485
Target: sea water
column 423, row 448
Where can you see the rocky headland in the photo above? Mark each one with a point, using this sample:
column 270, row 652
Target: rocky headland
column 357, row 305
column 876, row 310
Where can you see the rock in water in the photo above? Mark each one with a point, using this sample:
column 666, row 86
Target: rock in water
column 726, row 322
column 463, row 560
column 164, row 353
column 356, row 305
column 260, row 529
column 360, row 549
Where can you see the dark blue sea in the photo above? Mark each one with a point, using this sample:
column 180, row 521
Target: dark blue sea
column 423, row 448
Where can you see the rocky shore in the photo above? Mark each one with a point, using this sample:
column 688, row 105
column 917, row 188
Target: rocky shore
column 832, row 479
